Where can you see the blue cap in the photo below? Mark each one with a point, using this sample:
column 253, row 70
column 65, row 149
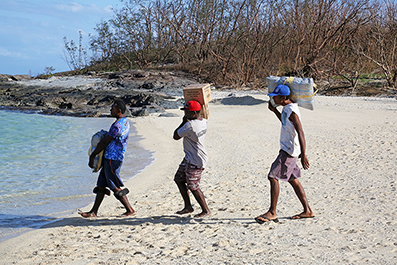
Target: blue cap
column 280, row 90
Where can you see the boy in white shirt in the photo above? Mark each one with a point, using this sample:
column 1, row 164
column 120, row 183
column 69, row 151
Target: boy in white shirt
column 192, row 129
column 293, row 146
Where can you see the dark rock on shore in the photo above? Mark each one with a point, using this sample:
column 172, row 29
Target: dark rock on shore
column 144, row 92
column 4, row 78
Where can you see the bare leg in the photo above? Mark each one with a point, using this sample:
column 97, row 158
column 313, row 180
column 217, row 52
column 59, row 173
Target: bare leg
column 274, row 193
column 271, row 214
column 124, row 201
column 199, row 196
column 94, row 211
column 300, row 192
column 186, row 199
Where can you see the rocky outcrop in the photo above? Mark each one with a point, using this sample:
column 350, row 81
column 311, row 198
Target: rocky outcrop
column 144, row 92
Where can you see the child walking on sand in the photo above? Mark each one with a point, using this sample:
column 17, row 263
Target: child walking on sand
column 192, row 129
column 293, row 146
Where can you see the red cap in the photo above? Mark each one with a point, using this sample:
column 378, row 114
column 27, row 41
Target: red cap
column 192, row 106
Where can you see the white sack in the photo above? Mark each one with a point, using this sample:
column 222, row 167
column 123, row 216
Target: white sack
column 302, row 89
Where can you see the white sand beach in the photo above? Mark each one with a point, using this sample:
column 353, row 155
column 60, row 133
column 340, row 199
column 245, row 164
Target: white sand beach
column 351, row 187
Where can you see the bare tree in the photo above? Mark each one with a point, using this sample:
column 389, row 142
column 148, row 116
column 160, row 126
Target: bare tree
column 242, row 41
column 318, row 27
column 75, row 55
column 382, row 42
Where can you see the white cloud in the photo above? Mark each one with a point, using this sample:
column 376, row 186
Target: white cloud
column 81, row 8
column 31, row 32
column 7, row 53
column 108, row 9
column 72, row 7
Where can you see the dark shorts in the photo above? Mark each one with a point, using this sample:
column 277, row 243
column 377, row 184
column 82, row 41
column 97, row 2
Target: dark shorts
column 109, row 175
column 189, row 174
column 285, row 167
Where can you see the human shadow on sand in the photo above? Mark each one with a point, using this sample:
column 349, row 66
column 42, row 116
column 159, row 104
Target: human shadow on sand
column 137, row 221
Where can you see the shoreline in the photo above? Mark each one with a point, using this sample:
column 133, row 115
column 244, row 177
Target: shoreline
column 350, row 144
column 45, row 206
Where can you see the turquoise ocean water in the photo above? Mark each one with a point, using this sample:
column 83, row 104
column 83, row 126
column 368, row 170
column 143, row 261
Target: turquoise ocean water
column 43, row 167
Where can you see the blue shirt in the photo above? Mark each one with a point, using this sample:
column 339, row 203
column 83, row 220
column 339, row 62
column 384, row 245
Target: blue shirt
column 119, row 130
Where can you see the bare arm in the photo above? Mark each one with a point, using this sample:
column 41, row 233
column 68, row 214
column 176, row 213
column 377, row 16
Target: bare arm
column 184, row 121
column 301, row 136
column 275, row 110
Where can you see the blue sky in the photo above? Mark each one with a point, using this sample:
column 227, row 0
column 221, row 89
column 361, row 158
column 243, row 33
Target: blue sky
column 31, row 32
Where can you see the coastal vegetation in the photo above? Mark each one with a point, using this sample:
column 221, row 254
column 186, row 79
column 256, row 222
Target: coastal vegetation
column 240, row 42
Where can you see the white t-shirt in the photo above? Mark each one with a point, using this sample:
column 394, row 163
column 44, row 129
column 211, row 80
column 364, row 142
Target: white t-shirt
column 193, row 133
column 289, row 141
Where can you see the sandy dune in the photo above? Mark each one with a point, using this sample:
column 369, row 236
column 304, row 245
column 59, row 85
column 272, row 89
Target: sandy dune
column 351, row 187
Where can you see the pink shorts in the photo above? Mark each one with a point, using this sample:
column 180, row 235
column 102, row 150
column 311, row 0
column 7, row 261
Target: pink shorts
column 285, row 167
column 190, row 174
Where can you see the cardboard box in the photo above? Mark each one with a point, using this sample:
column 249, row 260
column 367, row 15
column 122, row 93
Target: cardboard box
column 200, row 93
